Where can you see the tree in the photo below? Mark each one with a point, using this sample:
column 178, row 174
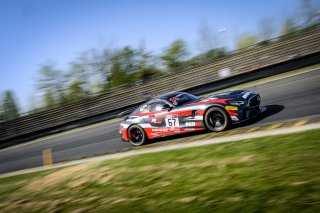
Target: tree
column 100, row 63
column 130, row 65
column 49, row 99
column 33, row 104
column 146, row 74
column 246, row 40
column 1, row 108
column 145, row 65
column 52, row 83
column 9, row 107
column 208, row 39
column 174, row 55
column 76, row 92
column 118, row 76
column 310, row 12
column 208, row 56
column 266, row 29
column 144, row 59
column 114, row 66
column 123, row 65
column 288, row 27
column 127, row 59
column 80, row 71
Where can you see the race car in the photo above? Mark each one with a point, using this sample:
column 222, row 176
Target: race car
column 180, row 112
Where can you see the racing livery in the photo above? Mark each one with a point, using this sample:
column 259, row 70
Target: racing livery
column 181, row 112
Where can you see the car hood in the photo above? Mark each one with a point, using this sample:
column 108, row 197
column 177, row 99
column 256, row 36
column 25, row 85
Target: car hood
column 237, row 94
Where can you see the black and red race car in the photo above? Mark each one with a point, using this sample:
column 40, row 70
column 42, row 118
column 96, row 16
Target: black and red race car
column 181, row 112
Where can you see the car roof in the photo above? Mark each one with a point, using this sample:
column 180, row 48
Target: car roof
column 168, row 95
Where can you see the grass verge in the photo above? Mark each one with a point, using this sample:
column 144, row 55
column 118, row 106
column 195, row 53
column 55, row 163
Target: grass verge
column 271, row 174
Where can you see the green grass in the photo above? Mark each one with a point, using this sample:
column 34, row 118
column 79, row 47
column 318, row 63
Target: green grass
column 271, row 174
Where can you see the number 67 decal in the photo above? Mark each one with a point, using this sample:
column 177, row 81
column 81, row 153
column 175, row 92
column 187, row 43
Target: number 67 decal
column 172, row 121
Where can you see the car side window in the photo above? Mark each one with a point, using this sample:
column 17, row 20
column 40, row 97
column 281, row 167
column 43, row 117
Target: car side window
column 145, row 108
column 157, row 106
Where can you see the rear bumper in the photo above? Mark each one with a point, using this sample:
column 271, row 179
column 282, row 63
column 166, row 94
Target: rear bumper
column 124, row 134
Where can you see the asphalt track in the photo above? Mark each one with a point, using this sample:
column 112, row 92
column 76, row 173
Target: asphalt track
column 289, row 98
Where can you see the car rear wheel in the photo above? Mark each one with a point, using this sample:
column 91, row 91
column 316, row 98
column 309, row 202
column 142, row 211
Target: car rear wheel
column 216, row 119
column 137, row 135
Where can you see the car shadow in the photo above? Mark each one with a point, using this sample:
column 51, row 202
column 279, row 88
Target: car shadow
column 270, row 110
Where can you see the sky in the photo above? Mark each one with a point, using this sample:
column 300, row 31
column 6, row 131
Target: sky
column 35, row 31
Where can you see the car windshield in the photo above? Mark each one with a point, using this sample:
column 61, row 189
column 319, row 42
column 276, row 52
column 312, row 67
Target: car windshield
column 182, row 99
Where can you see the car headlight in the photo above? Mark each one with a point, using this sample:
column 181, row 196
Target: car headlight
column 236, row 103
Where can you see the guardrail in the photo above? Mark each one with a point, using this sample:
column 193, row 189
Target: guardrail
column 298, row 45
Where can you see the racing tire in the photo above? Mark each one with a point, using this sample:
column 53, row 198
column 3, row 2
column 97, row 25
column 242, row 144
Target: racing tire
column 137, row 136
column 216, row 119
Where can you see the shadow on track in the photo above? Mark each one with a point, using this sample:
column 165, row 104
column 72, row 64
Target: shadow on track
column 270, row 111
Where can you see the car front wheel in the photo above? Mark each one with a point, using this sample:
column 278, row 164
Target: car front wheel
column 216, row 119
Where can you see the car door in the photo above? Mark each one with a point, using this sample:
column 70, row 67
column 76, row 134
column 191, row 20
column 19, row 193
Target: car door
column 162, row 122
column 166, row 112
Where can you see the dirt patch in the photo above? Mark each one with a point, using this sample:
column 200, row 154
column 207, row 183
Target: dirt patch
column 234, row 199
column 298, row 183
column 119, row 200
column 247, row 158
column 51, row 180
column 188, row 199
